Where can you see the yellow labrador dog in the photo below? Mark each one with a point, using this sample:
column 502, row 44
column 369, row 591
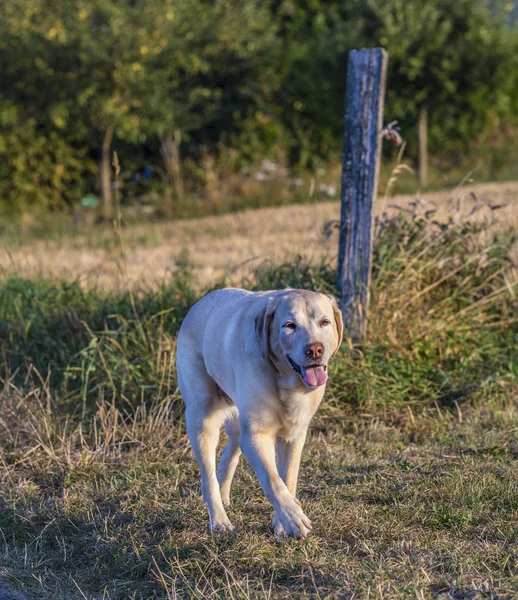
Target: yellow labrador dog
column 257, row 363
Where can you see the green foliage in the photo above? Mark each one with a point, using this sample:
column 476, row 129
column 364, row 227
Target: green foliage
column 316, row 37
column 38, row 169
column 82, row 69
column 457, row 60
column 264, row 80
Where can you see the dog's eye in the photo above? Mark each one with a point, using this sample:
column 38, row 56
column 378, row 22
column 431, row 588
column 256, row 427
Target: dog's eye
column 325, row 322
column 289, row 325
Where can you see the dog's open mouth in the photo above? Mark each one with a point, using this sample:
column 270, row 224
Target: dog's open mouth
column 311, row 375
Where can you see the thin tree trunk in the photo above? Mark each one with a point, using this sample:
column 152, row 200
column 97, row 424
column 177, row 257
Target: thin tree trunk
column 170, row 149
column 422, row 132
column 106, row 175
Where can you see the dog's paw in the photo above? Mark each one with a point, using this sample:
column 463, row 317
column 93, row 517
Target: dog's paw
column 278, row 529
column 290, row 521
column 222, row 526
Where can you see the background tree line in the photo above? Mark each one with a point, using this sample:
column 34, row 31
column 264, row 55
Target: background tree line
column 169, row 82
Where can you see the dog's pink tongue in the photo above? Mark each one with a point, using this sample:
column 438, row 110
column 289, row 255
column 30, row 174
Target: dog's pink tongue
column 314, row 376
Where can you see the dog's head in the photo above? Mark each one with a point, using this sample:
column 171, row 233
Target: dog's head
column 301, row 331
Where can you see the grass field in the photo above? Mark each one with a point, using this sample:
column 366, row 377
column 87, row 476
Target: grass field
column 410, row 472
column 232, row 245
column 406, row 506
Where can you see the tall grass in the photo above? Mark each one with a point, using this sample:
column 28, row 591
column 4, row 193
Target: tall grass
column 443, row 323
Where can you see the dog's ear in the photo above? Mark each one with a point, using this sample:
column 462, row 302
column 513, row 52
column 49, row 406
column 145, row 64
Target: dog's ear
column 337, row 313
column 262, row 323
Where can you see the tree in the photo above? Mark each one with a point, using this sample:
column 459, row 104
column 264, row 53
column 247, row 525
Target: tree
column 455, row 60
column 39, row 164
column 97, row 70
column 80, row 76
column 315, row 38
column 214, row 78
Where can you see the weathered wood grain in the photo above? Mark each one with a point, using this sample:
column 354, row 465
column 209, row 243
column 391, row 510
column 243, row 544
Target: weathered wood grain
column 364, row 98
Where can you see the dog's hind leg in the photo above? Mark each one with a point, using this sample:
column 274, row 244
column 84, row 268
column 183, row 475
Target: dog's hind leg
column 229, row 458
column 203, row 429
column 205, row 412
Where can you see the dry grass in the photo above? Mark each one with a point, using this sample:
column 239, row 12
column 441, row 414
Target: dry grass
column 232, row 244
column 403, row 507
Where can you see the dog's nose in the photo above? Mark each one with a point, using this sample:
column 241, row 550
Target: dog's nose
column 314, row 350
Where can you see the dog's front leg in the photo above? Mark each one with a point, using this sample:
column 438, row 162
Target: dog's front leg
column 288, row 461
column 259, row 450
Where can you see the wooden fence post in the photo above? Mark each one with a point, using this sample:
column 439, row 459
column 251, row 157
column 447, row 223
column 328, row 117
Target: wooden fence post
column 364, row 98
